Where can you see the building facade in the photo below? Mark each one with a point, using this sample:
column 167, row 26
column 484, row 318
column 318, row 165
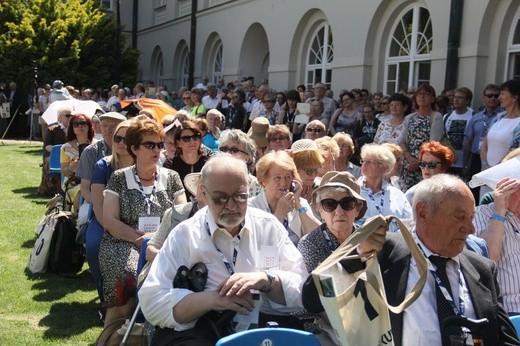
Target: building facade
column 381, row 45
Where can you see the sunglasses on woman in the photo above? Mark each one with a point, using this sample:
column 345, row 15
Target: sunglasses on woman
column 430, row 165
column 152, row 145
column 232, row 150
column 187, row 139
column 119, row 139
column 79, row 123
column 346, row 203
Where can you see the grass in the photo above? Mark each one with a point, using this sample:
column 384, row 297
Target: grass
column 42, row 309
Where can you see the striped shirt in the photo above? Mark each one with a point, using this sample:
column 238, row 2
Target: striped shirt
column 509, row 262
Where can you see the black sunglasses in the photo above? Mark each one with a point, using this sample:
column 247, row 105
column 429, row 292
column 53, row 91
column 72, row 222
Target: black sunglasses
column 187, row 139
column 152, row 145
column 346, row 203
column 232, row 150
column 311, row 129
column 68, row 115
column 79, row 123
column 492, row 95
column 430, row 165
column 119, row 139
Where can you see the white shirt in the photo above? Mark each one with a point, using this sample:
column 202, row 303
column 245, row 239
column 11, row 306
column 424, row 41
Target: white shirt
column 210, row 103
column 189, row 243
column 387, row 201
column 509, row 262
column 420, row 323
column 456, row 125
column 499, row 139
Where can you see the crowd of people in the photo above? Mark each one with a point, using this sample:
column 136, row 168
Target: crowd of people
column 260, row 186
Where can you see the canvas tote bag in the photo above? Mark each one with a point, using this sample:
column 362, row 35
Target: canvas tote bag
column 356, row 304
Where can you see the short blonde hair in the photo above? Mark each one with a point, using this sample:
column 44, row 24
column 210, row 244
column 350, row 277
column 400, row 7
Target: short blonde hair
column 342, row 137
column 275, row 159
column 382, row 153
column 278, row 130
column 326, row 143
column 308, row 159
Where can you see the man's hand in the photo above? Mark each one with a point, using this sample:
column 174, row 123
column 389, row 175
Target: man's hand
column 374, row 242
column 504, row 188
column 242, row 283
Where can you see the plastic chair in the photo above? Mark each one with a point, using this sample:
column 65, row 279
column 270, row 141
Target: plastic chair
column 54, row 160
column 270, row 336
column 515, row 320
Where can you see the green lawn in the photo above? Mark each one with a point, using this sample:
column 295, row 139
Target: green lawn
column 36, row 309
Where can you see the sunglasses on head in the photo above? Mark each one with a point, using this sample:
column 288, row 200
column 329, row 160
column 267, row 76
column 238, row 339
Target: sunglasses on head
column 312, row 129
column 346, row 203
column 119, row 139
column 430, row 165
column 152, row 145
column 79, row 123
column 187, row 139
column 232, row 150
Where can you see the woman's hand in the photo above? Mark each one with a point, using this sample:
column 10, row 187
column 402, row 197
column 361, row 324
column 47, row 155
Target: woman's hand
column 374, row 242
column 286, row 204
column 503, row 190
column 140, row 237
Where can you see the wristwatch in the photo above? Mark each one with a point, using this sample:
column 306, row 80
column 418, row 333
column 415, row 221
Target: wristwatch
column 269, row 287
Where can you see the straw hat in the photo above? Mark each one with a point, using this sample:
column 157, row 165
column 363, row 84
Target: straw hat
column 258, row 131
column 303, row 144
column 344, row 180
column 191, row 182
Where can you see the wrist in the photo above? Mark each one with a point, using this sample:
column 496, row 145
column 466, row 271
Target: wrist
column 302, row 210
column 268, row 287
column 485, row 163
column 498, row 217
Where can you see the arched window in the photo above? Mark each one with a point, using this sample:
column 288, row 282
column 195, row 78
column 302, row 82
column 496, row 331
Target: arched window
column 513, row 70
column 408, row 59
column 158, row 69
column 185, row 66
column 319, row 57
column 217, row 62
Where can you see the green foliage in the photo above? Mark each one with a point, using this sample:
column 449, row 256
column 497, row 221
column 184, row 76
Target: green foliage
column 72, row 40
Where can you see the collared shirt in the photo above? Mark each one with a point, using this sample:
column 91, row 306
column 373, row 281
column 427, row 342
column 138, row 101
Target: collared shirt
column 292, row 217
column 420, row 323
column 210, row 103
column 189, row 243
column 509, row 262
column 329, row 107
column 92, row 154
column 387, row 201
column 478, row 126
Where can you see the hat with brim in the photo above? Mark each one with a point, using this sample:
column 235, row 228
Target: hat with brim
column 112, row 115
column 343, row 180
column 258, row 131
column 191, row 182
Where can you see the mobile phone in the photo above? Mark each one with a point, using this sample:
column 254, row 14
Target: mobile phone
column 293, row 187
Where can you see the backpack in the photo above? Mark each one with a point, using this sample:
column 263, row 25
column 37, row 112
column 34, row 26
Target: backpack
column 65, row 254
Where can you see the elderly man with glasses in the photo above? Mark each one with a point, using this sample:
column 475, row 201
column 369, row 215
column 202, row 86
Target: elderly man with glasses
column 254, row 271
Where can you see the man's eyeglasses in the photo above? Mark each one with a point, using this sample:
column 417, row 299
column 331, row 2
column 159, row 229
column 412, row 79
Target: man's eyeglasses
column 152, row 145
column 430, row 165
column 312, row 129
column 119, row 139
column 346, row 203
column 187, row 139
column 223, row 200
column 492, row 95
column 79, row 123
column 232, row 150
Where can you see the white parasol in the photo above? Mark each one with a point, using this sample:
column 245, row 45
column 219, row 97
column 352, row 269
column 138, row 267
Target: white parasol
column 88, row 108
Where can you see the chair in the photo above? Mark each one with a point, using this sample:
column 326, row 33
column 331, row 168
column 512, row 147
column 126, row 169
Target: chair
column 515, row 320
column 270, row 336
column 54, row 160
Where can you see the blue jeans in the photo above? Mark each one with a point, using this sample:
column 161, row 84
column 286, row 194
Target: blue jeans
column 93, row 238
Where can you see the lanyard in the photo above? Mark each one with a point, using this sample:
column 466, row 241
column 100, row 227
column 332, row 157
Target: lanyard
column 327, row 238
column 382, row 202
column 224, row 259
column 147, row 199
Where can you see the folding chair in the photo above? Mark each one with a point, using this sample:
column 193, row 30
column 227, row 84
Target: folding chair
column 54, row 160
column 515, row 320
column 270, row 336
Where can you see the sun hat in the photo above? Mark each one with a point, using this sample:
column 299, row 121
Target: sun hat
column 258, row 131
column 191, row 182
column 304, row 144
column 112, row 115
column 344, row 180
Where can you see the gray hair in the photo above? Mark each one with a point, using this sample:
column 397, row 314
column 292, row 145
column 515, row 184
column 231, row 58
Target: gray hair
column 239, row 136
column 224, row 160
column 434, row 190
column 382, row 153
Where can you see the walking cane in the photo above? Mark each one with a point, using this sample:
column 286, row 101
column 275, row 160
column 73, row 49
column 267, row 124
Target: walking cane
column 476, row 327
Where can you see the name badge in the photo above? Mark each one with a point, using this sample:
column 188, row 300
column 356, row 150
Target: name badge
column 149, row 223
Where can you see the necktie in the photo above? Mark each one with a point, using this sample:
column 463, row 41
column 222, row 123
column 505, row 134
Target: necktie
column 444, row 308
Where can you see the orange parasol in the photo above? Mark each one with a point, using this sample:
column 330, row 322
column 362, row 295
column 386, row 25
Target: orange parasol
column 158, row 107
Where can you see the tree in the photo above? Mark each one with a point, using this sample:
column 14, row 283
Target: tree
column 71, row 40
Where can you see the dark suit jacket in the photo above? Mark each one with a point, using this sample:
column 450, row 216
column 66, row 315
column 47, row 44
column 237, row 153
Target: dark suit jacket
column 480, row 274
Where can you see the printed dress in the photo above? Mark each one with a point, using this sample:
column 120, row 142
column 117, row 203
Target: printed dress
column 118, row 258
